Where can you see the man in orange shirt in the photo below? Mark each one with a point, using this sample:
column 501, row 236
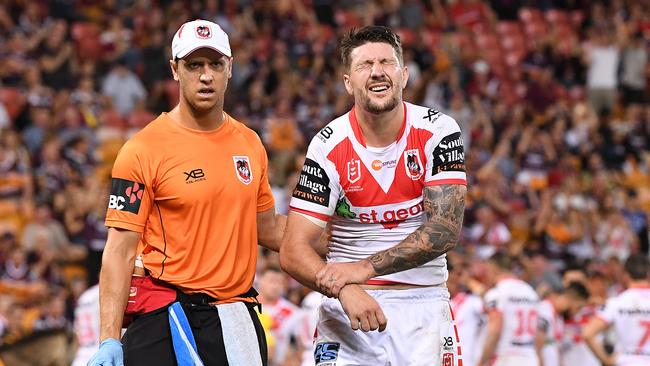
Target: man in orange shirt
column 190, row 196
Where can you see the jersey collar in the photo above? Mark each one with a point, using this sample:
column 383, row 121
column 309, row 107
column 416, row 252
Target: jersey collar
column 356, row 129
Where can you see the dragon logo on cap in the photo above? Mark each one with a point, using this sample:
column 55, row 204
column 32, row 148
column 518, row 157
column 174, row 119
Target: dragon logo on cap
column 203, row 31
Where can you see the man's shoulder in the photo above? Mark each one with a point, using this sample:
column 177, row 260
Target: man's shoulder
column 332, row 133
column 428, row 118
column 248, row 133
column 149, row 135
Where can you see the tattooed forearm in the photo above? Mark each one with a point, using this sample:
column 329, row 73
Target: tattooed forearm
column 444, row 206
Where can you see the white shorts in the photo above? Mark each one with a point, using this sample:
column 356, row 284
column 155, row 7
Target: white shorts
column 83, row 355
column 632, row 360
column 551, row 354
column 420, row 331
column 516, row 360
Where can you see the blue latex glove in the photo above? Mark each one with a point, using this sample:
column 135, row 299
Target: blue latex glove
column 109, row 354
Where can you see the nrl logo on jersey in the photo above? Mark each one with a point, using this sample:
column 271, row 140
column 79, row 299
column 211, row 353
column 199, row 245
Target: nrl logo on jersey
column 243, row 169
column 413, row 164
column 354, row 170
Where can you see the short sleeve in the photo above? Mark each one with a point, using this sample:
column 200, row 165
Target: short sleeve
column 492, row 301
column 317, row 190
column 544, row 318
column 445, row 154
column 265, row 198
column 608, row 312
column 131, row 195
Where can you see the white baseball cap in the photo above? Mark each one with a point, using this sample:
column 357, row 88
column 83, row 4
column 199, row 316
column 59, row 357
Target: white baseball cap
column 199, row 34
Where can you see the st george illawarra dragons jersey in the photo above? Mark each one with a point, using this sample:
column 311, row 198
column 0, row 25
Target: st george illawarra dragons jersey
column 372, row 196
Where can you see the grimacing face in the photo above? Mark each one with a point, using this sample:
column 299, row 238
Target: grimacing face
column 203, row 77
column 376, row 77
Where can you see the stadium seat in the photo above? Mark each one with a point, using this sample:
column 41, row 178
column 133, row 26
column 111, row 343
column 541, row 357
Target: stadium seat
column 140, row 118
column 487, row 41
column 172, row 92
column 513, row 43
column 536, row 29
column 13, row 100
column 555, row 16
column 83, row 30
column 432, row 39
column 509, row 28
column 86, row 37
column 527, row 15
column 407, row 36
column 514, row 58
column 111, row 118
column 577, row 17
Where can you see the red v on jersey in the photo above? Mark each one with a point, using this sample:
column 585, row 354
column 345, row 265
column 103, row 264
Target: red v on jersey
column 361, row 186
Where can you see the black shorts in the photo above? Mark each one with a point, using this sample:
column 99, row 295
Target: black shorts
column 148, row 341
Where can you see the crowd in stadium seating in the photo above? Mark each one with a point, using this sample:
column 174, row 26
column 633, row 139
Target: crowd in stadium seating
column 551, row 97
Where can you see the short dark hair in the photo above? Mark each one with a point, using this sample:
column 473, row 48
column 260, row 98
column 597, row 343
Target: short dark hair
column 637, row 266
column 578, row 290
column 503, row 260
column 372, row 33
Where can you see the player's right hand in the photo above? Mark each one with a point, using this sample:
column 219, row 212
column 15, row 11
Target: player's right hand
column 109, row 354
column 362, row 309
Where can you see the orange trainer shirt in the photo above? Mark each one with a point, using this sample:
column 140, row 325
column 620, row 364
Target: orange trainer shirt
column 194, row 196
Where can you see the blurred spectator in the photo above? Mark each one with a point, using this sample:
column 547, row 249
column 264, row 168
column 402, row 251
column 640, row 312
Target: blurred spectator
column 602, row 59
column 52, row 173
column 633, row 73
column 44, row 231
column 286, row 316
column 551, row 98
column 16, row 185
column 488, row 233
column 123, row 88
column 56, row 57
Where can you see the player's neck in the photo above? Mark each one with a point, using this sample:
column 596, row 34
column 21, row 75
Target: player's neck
column 553, row 300
column 192, row 119
column 639, row 284
column 505, row 276
column 382, row 129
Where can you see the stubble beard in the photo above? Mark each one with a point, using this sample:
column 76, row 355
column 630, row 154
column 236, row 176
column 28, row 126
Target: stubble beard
column 374, row 107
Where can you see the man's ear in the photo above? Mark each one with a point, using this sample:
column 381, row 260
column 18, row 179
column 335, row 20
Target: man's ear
column 348, row 84
column 405, row 76
column 173, row 64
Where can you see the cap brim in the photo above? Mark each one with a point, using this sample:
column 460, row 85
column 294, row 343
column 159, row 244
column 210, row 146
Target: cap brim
column 190, row 50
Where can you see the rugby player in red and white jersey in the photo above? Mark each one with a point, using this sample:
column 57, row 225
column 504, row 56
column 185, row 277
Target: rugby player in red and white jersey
column 469, row 313
column 573, row 350
column 512, row 306
column 628, row 314
column 86, row 325
column 556, row 308
column 389, row 177
column 286, row 317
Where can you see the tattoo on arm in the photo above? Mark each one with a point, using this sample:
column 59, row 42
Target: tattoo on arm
column 444, row 206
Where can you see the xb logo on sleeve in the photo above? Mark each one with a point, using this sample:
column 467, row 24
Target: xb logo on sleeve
column 326, row 353
column 125, row 195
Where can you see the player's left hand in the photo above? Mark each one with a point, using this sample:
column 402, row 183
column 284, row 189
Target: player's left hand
column 334, row 276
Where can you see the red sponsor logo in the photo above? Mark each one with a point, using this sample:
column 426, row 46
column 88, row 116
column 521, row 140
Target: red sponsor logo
column 390, row 218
